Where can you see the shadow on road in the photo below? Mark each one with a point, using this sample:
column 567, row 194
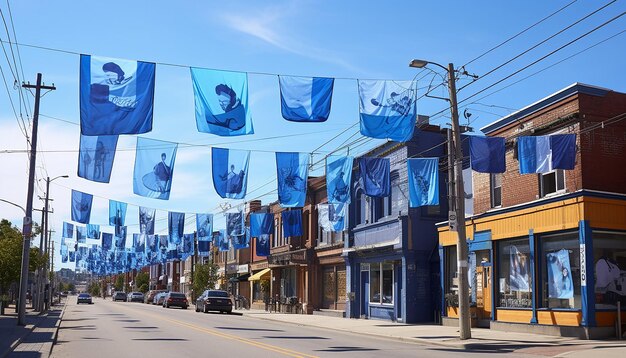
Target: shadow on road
column 251, row 329
column 347, row 349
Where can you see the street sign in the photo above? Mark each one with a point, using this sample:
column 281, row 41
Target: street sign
column 452, row 220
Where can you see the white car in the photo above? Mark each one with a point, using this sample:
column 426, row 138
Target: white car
column 135, row 297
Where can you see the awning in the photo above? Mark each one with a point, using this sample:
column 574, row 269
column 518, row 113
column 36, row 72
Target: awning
column 257, row 276
column 240, row 278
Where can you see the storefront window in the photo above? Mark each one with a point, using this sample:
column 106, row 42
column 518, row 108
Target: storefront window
column 381, row 283
column 387, row 283
column 609, row 260
column 375, row 283
column 514, row 278
column 560, row 271
column 452, row 280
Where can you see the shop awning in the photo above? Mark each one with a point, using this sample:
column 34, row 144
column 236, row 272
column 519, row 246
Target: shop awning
column 257, row 276
column 240, row 278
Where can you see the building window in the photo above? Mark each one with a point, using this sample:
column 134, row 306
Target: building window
column 361, row 208
column 609, row 260
column 560, row 269
column 552, row 182
column 514, row 278
column 495, row 181
column 381, row 283
column 452, row 278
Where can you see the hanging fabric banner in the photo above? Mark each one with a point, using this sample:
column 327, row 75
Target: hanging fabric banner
column 163, row 244
column 559, row 275
column 337, row 217
column 81, row 234
column 204, row 226
column 93, row 232
column 176, row 227
column 235, row 224
column 64, row 253
column 423, row 181
column 261, row 223
column 72, row 256
column 152, row 249
column 221, row 99
column 241, row 241
column 146, row 220
column 221, row 240
column 120, row 237
column 68, row 230
column 204, row 248
column 95, row 158
column 81, row 206
column 263, row 245
column 117, row 213
column 487, row 154
column 519, row 270
column 116, row 96
column 323, row 217
column 292, row 222
column 375, row 176
column 154, row 168
column 388, row 109
column 107, row 241
column 139, row 242
column 305, row 99
column 338, row 179
column 292, row 172
column 542, row 154
column 187, row 248
column 230, row 172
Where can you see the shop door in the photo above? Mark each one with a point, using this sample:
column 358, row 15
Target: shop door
column 483, row 291
column 365, row 293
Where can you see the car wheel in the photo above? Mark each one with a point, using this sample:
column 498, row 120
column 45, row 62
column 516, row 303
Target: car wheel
column 184, row 307
column 205, row 309
column 229, row 312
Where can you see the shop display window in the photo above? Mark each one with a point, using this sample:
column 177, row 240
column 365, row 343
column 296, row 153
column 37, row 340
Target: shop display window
column 560, row 271
column 609, row 260
column 381, row 283
column 514, row 274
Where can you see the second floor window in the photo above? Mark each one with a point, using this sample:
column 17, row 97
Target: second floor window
column 552, row 182
column 495, row 180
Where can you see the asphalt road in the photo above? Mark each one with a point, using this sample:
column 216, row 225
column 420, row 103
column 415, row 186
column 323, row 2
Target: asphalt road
column 122, row 329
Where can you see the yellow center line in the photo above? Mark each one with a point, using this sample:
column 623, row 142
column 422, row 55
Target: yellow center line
column 285, row 351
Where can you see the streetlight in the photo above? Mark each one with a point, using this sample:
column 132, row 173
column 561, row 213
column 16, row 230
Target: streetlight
column 456, row 199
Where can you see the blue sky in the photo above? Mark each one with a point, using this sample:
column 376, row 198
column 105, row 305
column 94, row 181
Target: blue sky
column 347, row 40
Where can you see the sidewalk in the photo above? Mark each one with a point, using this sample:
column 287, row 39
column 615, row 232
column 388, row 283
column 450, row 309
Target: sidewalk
column 483, row 340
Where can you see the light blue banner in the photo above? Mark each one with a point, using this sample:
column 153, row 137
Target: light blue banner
column 107, row 241
column 230, row 172
column 81, row 234
column 337, row 216
column 375, row 176
column 95, row 159
column 305, row 99
column 221, row 99
column 176, row 227
column 559, row 275
column 93, row 232
column 204, row 227
column 292, row 173
column 221, row 240
column 261, row 223
column 116, row 96
column 146, row 220
column 235, row 224
column 423, row 181
column 338, row 179
column 68, row 230
column 81, row 207
column 120, row 237
column 117, row 213
column 154, row 168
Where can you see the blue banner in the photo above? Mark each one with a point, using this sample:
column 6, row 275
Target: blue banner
column 487, row 154
column 204, row 226
column 176, row 227
column 152, row 249
column 120, row 237
column 116, row 96
column 163, row 243
column 81, row 234
column 305, row 99
column 261, row 224
column 204, row 248
column 139, row 242
column 241, row 241
column 117, row 213
column 559, row 275
column 186, row 248
column 338, row 179
column 542, row 154
column 154, row 168
column 263, row 245
column 146, row 220
column 95, row 158
column 221, row 99
column 64, row 253
column 68, row 230
column 230, row 172
column 292, row 173
column 388, row 109
column 423, row 181
column 72, row 256
column 81, row 207
column 375, row 176
column 292, row 222
column 337, row 216
column 93, row 232
column 107, row 241
column 221, row 240
column 235, row 224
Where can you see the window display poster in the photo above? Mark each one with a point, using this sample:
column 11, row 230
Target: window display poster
column 519, row 274
column 559, row 275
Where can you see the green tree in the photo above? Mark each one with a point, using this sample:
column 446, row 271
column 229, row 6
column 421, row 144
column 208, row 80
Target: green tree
column 71, row 287
column 141, row 282
column 119, row 283
column 94, row 288
column 204, row 277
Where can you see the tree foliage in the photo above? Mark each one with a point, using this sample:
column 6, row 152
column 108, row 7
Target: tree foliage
column 119, row 283
column 142, row 281
column 204, row 277
column 94, row 288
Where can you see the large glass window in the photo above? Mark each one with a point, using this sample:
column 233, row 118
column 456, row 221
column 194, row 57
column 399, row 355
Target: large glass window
column 495, row 181
column 452, row 278
column 361, row 207
column 560, row 271
column 381, row 283
column 375, row 283
column 514, row 278
column 609, row 260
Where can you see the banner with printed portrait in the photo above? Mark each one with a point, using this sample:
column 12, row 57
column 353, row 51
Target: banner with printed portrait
column 96, row 156
column 230, row 172
column 235, row 224
column 292, row 173
column 204, row 226
column 220, row 239
column 154, row 168
column 68, row 230
column 338, row 179
column 81, row 206
column 107, row 241
column 93, row 232
column 117, row 213
column 305, row 99
column 241, row 241
column 81, row 234
column 120, row 237
column 72, row 256
column 146, row 220
column 560, row 284
column 519, row 270
column 176, row 227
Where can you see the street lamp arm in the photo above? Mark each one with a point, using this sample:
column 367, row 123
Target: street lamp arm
column 422, row 63
column 19, row 206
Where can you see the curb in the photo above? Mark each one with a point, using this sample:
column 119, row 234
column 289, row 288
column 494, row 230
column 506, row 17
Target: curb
column 18, row 341
column 57, row 326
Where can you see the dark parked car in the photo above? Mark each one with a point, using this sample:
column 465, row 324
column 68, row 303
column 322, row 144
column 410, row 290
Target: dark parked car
column 135, row 297
column 119, row 296
column 84, row 298
column 149, row 297
column 158, row 299
column 214, row 300
column 177, row 299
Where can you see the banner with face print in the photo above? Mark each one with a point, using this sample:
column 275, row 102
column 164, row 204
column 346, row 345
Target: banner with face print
column 107, row 241
column 204, row 226
column 221, row 240
column 146, row 220
column 93, row 232
column 235, row 224
column 154, row 168
column 81, row 234
column 519, row 270
column 241, row 241
column 81, row 206
column 292, row 173
column 230, row 172
column 95, row 157
column 176, row 227
column 120, row 237
column 560, row 284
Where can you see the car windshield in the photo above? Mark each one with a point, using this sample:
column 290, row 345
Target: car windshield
column 177, row 295
column 83, row 295
column 218, row 293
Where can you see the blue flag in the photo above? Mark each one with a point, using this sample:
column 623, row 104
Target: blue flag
column 221, row 240
column 241, row 241
column 139, row 242
column 95, row 159
column 68, row 230
column 120, row 237
column 263, row 245
column 423, row 181
column 186, row 249
column 261, row 224
column 230, row 172
column 116, row 96
column 154, row 168
column 204, row 248
column 235, row 224
column 338, row 179
column 64, row 253
column 388, row 109
column 204, row 226
column 81, row 207
column 292, row 222
column 487, row 154
column 81, row 234
column 146, row 220
column 107, row 241
column 305, row 99
column 292, row 172
column 163, row 244
column 93, row 232
column 375, row 176
column 152, row 249
column 72, row 256
column 542, row 154
column 331, row 217
column 176, row 227
column 117, row 213
column 221, row 99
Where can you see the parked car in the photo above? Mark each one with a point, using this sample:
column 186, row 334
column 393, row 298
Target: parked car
column 158, row 299
column 177, row 299
column 135, row 297
column 214, row 300
column 84, row 298
column 119, row 296
column 149, row 297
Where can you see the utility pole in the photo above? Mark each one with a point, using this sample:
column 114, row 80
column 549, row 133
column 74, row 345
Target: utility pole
column 27, row 225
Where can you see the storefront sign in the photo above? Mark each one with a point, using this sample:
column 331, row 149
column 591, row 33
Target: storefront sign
column 231, row 268
column 583, row 266
column 243, row 268
column 288, row 258
column 258, row 266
